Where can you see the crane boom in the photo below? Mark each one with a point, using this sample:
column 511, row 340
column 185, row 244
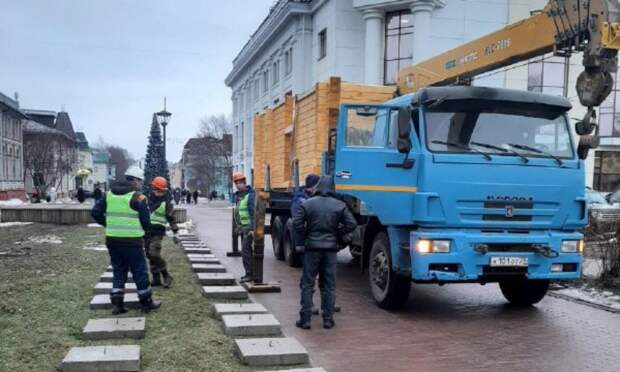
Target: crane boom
column 563, row 27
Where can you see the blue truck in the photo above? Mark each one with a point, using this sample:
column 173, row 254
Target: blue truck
column 456, row 184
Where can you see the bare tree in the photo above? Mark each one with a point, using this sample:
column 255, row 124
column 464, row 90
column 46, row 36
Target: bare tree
column 121, row 158
column 48, row 159
column 210, row 154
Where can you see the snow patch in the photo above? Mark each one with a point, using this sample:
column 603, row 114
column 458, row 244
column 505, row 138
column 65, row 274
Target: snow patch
column 9, row 224
column 99, row 248
column 94, row 225
column 592, row 295
column 11, row 202
column 51, row 239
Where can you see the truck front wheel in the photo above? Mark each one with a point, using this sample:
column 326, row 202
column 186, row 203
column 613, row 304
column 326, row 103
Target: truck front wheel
column 277, row 233
column 524, row 292
column 390, row 290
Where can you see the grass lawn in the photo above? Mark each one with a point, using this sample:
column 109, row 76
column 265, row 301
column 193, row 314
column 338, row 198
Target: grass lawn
column 45, row 289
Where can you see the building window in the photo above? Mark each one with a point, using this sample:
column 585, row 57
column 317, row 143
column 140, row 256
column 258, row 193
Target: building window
column 265, row 81
column 609, row 113
column 276, row 72
column 547, row 75
column 398, row 44
column 256, row 89
column 288, row 61
column 606, row 170
column 322, row 43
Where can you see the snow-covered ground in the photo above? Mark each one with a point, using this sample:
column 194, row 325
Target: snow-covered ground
column 11, row 202
column 9, row 224
column 94, row 225
column 184, row 228
column 592, row 295
column 52, row 239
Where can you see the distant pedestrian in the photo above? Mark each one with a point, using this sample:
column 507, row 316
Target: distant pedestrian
column 97, row 194
column 125, row 214
column 177, row 196
column 188, row 197
column 195, row 195
column 244, row 221
column 81, row 196
column 319, row 221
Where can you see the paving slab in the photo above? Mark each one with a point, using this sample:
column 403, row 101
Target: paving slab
column 103, row 301
column 278, row 351
column 197, row 250
column 107, row 277
column 298, row 370
column 216, row 278
column 235, row 309
column 102, row 358
column 200, row 255
column 230, row 292
column 211, row 260
column 208, row 268
column 251, row 325
column 106, row 288
column 101, row 329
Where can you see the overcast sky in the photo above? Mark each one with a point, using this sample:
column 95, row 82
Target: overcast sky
column 109, row 63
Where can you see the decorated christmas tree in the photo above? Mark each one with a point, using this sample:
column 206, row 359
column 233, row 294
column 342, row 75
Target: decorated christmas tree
column 155, row 163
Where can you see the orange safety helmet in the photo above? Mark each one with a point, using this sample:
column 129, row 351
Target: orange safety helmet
column 238, row 177
column 160, row 184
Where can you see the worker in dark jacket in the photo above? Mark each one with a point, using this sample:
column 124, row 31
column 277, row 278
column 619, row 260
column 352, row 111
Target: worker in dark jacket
column 245, row 198
column 125, row 214
column 300, row 195
column 319, row 221
column 162, row 213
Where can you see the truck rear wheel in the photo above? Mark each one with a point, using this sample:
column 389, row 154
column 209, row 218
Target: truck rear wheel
column 390, row 290
column 277, row 233
column 291, row 257
column 524, row 292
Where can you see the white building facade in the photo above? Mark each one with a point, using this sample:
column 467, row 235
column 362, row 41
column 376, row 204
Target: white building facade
column 302, row 42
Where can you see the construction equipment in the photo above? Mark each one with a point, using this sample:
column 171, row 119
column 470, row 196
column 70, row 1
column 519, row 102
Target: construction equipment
column 563, row 27
column 457, row 184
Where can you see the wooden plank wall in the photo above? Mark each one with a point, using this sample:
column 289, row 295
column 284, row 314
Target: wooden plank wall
column 299, row 129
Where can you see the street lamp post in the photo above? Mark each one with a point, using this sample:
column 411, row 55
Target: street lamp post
column 163, row 118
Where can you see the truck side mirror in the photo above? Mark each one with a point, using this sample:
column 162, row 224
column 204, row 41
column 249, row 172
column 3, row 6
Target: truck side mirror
column 585, row 144
column 404, row 130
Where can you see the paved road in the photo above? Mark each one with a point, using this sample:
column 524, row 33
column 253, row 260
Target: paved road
column 450, row 328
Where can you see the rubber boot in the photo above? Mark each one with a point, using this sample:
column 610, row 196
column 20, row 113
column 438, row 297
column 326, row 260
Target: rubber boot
column 156, row 279
column 304, row 321
column 118, row 304
column 149, row 304
column 167, row 279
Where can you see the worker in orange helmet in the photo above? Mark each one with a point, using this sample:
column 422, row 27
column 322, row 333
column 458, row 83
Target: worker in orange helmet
column 244, row 221
column 161, row 207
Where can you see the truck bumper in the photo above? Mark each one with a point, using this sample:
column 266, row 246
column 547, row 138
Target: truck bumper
column 464, row 264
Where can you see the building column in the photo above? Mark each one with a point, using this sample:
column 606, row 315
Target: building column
column 373, row 51
column 421, row 13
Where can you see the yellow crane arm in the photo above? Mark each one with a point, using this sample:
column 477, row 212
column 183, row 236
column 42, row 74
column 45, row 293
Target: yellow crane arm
column 563, row 27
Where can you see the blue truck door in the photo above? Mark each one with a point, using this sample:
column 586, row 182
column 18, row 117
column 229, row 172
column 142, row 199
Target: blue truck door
column 367, row 163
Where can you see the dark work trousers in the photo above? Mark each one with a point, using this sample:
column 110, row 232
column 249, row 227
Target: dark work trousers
column 152, row 246
column 320, row 263
column 125, row 259
column 247, row 241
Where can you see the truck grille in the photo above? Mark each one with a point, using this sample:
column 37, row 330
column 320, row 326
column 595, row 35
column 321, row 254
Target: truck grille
column 506, row 211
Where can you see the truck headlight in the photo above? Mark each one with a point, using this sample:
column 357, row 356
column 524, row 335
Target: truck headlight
column 433, row 246
column 572, row 246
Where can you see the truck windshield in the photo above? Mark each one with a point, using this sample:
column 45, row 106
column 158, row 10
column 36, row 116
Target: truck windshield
column 502, row 132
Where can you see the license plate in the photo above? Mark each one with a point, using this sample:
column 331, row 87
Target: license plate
column 508, row 261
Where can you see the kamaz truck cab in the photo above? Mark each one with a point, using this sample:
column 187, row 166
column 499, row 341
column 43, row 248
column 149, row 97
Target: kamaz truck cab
column 463, row 185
